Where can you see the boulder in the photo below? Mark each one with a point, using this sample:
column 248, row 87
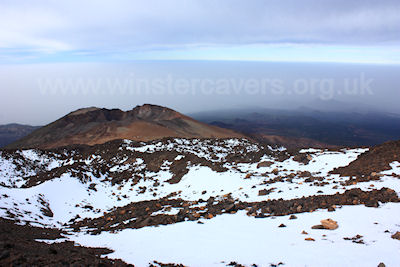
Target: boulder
column 263, row 192
column 396, row 236
column 264, row 164
column 209, row 216
column 329, row 224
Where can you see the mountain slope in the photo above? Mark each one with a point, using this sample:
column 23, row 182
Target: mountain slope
column 96, row 126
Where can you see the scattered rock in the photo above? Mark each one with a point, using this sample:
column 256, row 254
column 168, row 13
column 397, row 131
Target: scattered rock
column 292, row 217
column 282, row 225
column 396, row 236
column 230, row 208
column 92, row 186
column 356, row 239
column 138, row 212
column 235, row 264
column 209, row 216
column 309, row 239
column 161, row 264
column 302, row 158
column 122, row 212
column 330, row 209
column 381, row 264
column 318, row 226
column 304, row 233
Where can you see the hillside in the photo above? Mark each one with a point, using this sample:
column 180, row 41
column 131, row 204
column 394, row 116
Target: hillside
column 96, row 126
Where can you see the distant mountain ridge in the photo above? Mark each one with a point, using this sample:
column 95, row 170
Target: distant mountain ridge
column 11, row 132
column 305, row 127
column 96, row 126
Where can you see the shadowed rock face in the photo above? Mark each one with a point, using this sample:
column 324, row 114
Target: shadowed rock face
column 96, row 126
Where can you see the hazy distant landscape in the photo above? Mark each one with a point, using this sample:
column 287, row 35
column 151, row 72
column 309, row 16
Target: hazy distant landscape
column 317, row 128
column 12, row 132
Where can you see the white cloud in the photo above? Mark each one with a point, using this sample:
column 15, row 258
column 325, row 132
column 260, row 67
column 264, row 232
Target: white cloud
column 122, row 26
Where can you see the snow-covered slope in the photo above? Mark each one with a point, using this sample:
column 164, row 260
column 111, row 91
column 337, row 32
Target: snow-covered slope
column 237, row 189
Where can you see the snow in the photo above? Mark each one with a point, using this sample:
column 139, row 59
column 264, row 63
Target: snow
column 201, row 148
column 30, row 154
column 67, row 196
column 179, row 157
column 10, row 175
column 324, row 162
column 64, row 193
column 280, row 148
column 395, row 165
column 228, row 237
column 247, row 240
column 310, row 150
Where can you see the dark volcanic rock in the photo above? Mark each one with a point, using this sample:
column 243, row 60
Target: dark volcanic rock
column 139, row 214
column 368, row 164
column 19, row 248
column 264, row 164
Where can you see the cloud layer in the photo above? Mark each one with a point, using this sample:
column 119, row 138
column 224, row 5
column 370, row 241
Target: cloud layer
column 96, row 29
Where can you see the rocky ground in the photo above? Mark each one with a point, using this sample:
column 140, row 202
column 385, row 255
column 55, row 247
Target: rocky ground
column 20, row 246
column 152, row 213
column 93, row 194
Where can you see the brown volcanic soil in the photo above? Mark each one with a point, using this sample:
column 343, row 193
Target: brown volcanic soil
column 375, row 160
column 19, row 248
column 96, row 126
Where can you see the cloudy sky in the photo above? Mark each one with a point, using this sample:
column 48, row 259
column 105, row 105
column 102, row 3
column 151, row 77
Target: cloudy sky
column 275, row 30
column 53, row 51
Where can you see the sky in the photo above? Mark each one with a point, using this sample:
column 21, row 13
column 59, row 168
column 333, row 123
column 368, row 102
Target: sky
column 57, row 56
column 290, row 30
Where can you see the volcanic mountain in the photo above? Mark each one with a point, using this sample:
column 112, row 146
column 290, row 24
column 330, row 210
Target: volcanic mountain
column 96, row 126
